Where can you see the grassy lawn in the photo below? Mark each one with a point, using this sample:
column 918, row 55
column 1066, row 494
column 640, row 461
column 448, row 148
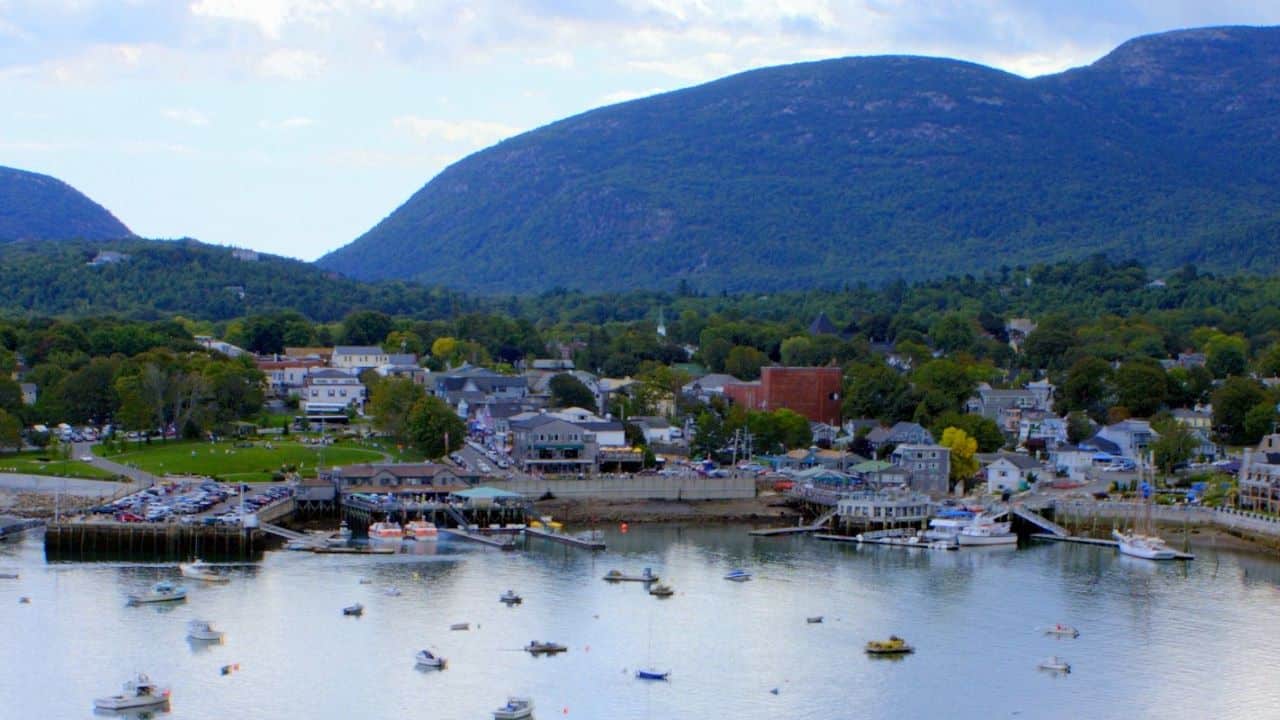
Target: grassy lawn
column 238, row 464
column 37, row 463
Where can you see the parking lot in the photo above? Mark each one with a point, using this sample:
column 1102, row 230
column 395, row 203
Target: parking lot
column 195, row 501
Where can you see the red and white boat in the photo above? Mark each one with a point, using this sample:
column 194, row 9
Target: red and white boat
column 386, row 531
column 420, row 530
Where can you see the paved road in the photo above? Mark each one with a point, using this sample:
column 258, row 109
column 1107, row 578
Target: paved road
column 140, row 477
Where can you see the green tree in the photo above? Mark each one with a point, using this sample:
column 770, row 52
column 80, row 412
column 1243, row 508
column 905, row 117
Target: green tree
column 365, row 327
column 983, row 430
column 1049, row 345
column 1079, row 427
column 708, row 435
column 10, row 396
column 434, row 428
column 953, row 332
column 796, row 351
column 947, row 380
column 1232, row 401
column 744, row 362
column 1259, row 421
column 10, row 432
column 569, row 391
column 963, row 448
column 875, row 390
column 1226, row 355
column 391, row 400
column 1088, row 387
column 1176, row 444
column 1141, row 386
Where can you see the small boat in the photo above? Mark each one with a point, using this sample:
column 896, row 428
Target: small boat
column 650, row 674
column 299, row 545
column 344, row 531
column 510, row 597
column 516, row 708
column 8, row 576
column 365, row 581
column 893, row 646
column 544, row 648
column 1062, row 631
column 1055, row 664
column 661, row 590
column 618, row 576
column 392, row 591
column 139, row 692
column 420, row 530
column 199, row 570
column 426, row 658
column 356, row 610
column 460, row 626
column 386, row 531
column 203, row 630
column 1148, row 547
column 163, row 591
column 985, row 531
column 738, row 575
column 814, row 620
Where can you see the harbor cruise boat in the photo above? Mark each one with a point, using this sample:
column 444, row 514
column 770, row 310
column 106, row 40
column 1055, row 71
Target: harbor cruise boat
column 386, row 530
column 420, row 530
column 985, row 531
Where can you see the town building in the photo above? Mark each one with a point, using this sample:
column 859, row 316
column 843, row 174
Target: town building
column 359, row 357
column 547, row 444
column 1195, row 419
column 287, row 376
column 929, row 466
column 884, row 508
column 1259, row 477
column 1010, row 470
column 1127, row 439
column 477, row 385
column 813, row 392
column 901, row 432
column 29, row 393
column 382, row 477
column 710, row 386
column 330, row 393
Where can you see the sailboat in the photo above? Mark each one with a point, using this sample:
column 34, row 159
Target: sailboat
column 1143, row 545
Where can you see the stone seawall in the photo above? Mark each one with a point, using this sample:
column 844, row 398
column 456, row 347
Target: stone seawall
column 637, row 487
column 1248, row 525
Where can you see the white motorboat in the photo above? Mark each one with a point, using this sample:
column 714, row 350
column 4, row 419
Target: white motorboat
column 737, row 575
column 426, row 658
column 1055, row 664
column 516, row 708
column 199, row 570
column 203, row 630
column 1062, row 631
column 163, row 591
column 985, row 531
column 510, row 597
column 1148, row 547
column 420, row 530
column 139, row 692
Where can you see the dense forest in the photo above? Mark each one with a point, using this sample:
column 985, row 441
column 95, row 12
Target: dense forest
column 39, row 207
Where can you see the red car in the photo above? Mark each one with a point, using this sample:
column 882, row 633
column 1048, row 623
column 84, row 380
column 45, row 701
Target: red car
column 783, row 485
column 128, row 517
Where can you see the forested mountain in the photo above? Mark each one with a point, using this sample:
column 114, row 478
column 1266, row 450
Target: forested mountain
column 158, row 278
column 39, row 207
column 868, row 169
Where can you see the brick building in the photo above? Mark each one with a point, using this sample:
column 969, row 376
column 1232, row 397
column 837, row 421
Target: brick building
column 814, row 392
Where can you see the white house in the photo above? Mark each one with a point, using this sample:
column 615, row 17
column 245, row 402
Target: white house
column 1128, row 439
column 655, row 429
column 1073, row 461
column 359, row 357
column 331, row 392
column 1010, row 470
column 29, row 393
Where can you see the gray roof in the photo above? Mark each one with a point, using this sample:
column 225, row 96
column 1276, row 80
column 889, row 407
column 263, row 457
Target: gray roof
column 1022, row 462
column 358, row 350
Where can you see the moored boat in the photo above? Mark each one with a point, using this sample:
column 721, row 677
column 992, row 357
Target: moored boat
column 893, row 646
column 162, row 591
column 199, row 570
column 1062, row 631
column 460, row 626
column 203, row 630
column 1148, row 547
column 356, row 610
column 651, row 674
column 421, row 530
column 985, row 531
column 386, row 530
column 544, row 648
column 516, row 708
column 510, row 597
column 814, row 619
column 661, row 590
column 616, row 575
column 738, row 575
column 139, row 692
column 426, row 658
column 1055, row 664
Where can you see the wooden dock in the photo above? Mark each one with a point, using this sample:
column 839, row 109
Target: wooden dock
column 1098, row 541
column 889, row 540
column 565, row 539
column 357, row 550
column 813, row 527
column 506, row 544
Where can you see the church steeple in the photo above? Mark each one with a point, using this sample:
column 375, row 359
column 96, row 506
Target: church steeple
column 662, row 324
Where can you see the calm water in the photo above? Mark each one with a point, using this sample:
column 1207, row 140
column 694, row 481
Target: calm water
column 1170, row 640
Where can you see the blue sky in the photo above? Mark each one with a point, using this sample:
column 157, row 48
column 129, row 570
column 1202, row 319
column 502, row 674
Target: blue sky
column 292, row 126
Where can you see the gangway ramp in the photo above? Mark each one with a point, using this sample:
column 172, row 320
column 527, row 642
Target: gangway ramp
column 1039, row 521
column 285, row 533
column 818, row 524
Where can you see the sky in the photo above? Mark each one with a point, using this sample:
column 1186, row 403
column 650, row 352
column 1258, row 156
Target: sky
column 293, row 126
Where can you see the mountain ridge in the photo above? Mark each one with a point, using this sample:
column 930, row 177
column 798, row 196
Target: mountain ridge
column 41, row 207
column 866, row 169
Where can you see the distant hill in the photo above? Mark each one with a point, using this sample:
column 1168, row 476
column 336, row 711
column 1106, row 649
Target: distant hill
column 868, row 169
column 159, row 278
column 39, row 207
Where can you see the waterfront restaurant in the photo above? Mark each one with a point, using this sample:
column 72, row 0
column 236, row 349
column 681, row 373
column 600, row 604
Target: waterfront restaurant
column 878, row 509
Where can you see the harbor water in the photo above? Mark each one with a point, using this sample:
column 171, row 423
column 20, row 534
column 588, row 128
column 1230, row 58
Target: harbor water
column 1168, row 640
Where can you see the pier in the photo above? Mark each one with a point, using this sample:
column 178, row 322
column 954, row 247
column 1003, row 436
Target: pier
column 506, row 544
column 1098, row 541
column 168, row 541
column 565, row 539
column 812, row 527
column 10, row 526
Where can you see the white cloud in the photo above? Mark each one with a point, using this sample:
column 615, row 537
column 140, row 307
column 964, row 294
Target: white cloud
column 289, row 123
column 290, row 64
column 267, row 15
column 147, row 147
column 474, row 133
column 186, row 116
column 561, row 59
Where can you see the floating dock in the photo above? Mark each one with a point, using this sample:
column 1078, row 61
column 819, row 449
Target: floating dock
column 564, row 539
column 507, row 544
column 813, row 527
column 343, row 550
column 891, row 540
column 1098, row 541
